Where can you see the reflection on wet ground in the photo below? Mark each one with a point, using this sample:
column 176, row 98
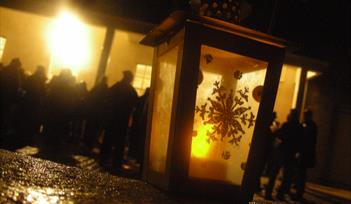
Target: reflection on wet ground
column 25, row 179
column 83, row 160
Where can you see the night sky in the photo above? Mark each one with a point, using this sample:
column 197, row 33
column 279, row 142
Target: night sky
column 320, row 28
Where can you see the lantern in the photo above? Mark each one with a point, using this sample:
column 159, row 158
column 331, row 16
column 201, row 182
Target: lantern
column 212, row 93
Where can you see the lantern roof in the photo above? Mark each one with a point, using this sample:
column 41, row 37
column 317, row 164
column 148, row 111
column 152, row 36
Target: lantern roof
column 176, row 21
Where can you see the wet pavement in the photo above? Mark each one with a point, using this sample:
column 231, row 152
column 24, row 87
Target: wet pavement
column 25, row 179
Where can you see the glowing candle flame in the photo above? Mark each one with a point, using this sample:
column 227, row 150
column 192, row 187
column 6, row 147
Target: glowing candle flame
column 200, row 147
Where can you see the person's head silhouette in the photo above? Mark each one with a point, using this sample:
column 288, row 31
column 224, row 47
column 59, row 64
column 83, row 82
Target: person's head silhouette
column 40, row 70
column 293, row 115
column 127, row 77
column 15, row 63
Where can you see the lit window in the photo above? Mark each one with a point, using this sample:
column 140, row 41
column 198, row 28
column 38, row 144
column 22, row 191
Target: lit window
column 142, row 78
column 2, row 46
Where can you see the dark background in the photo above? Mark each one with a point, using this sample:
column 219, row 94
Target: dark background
column 316, row 28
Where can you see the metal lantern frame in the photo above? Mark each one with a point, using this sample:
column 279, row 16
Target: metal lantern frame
column 189, row 33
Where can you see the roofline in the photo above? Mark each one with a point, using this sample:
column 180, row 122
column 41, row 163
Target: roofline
column 306, row 62
column 52, row 8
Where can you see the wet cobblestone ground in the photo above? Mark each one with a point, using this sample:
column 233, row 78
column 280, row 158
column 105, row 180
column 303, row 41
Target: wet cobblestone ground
column 25, row 179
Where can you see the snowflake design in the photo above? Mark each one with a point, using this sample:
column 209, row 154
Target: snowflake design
column 227, row 114
column 226, row 155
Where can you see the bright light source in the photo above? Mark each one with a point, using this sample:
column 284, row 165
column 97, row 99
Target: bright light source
column 69, row 42
column 312, row 74
column 200, row 146
column 2, row 46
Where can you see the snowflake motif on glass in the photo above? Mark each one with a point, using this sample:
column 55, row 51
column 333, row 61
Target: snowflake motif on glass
column 226, row 155
column 227, row 114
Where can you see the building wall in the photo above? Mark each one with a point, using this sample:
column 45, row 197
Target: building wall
column 126, row 53
column 24, row 38
column 316, row 94
column 333, row 151
column 286, row 91
column 27, row 38
column 341, row 151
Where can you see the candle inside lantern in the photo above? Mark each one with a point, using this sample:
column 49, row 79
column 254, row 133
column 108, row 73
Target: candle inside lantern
column 225, row 114
column 200, row 145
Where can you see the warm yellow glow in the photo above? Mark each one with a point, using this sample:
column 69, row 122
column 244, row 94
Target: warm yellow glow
column 2, row 46
column 200, row 146
column 43, row 195
column 296, row 87
column 69, row 42
column 142, row 78
column 312, row 74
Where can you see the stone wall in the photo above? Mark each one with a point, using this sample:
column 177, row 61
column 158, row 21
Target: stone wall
column 328, row 98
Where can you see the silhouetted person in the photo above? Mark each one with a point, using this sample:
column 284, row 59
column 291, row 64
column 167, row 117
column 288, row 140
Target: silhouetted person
column 79, row 112
column 290, row 136
column 59, row 112
column 122, row 98
column 138, row 130
column 268, row 146
column 30, row 110
column 95, row 103
column 11, row 79
column 307, row 154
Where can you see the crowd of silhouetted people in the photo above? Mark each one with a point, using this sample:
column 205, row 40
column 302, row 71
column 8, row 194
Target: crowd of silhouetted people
column 61, row 115
column 291, row 148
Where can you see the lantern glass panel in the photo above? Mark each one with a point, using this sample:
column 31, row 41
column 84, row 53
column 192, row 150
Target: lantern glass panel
column 162, row 109
column 227, row 102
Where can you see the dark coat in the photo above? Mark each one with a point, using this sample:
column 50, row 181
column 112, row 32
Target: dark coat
column 290, row 133
column 122, row 98
column 308, row 144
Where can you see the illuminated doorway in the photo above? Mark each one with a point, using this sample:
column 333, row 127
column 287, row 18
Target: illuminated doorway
column 292, row 90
